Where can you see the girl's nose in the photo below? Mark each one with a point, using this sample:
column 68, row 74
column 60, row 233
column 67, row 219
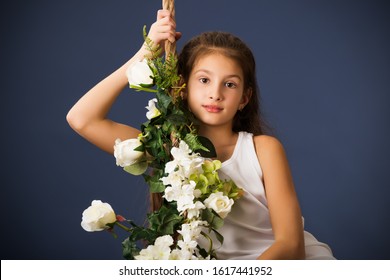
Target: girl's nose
column 215, row 93
column 217, row 98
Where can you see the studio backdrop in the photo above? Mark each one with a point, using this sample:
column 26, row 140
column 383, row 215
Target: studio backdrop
column 323, row 68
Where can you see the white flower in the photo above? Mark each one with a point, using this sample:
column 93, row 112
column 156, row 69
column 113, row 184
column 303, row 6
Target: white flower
column 220, row 203
column 181, row 157
column 193, row 210
column 159, row 251
column 178, row 254
column 186, row 196
column 139, row 73
column 183, row 161
column 182, row 152
column 174, row 179
column 152, row 110
column 188, row 245
column 171, row 193
column 146, row 254
column 124, row 152
column 96, row 216
column 192, row 230
column 164, row 241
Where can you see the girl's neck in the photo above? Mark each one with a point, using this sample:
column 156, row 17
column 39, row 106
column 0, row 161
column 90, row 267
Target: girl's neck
column 219, row 136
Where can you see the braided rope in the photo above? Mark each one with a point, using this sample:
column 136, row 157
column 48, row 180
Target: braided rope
column 170, row 48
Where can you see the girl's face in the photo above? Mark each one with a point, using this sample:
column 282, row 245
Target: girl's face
column 216, row 90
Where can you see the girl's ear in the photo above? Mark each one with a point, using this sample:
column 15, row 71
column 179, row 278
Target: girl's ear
column 245, row 98
column 183, row 92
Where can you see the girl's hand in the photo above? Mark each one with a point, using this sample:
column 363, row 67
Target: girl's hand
column 164, row 29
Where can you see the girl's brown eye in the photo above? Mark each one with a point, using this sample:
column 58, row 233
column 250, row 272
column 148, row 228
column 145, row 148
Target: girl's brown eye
column 204, row 80
column 230, row 85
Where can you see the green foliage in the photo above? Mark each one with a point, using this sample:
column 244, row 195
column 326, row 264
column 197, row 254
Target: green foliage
column 162, row 222
column 155, row 185
column 129, row 249
column 166, row 220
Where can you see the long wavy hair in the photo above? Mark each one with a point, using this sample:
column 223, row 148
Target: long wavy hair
column 250, row 118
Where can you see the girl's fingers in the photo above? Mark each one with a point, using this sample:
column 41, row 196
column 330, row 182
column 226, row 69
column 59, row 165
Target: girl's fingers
column 162, row 36
column 162, row 33
column 163, row 29
column 167, row 21
column 163, row 13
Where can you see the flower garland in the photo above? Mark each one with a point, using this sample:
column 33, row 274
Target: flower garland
column 175, row 162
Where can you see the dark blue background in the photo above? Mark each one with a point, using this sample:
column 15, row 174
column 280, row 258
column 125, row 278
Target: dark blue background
column 324, row 72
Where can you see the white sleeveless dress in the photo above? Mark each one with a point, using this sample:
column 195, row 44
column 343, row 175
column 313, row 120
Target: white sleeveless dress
column 247, row 230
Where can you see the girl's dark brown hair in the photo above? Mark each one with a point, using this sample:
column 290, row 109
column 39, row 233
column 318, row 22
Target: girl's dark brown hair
column 250, row 118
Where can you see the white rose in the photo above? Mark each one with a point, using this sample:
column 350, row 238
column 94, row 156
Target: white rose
column 139, row 73
column 97, row 216
column 152, row 110
column 124, row 152
column 220, row 203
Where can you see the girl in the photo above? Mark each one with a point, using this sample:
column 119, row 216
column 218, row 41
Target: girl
column 222, row 93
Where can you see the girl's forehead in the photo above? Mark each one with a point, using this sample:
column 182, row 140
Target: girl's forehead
column 217, row 61
column 213, row 56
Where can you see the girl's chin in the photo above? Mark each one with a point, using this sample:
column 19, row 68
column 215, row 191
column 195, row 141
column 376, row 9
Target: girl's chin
column 214, row 123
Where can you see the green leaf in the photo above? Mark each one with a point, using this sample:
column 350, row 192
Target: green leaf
column 209, row 151
column 140, row 148
column 219, row 236
column 194, row 143
column 154, row 182
column 140, row 233
column 156, row 187
column 163, row 101
column 137, row 168
column 202, row 252
column 167, row 127
column 176, row 119
column 201, row 145
column 129, row 249
column 148, row 86
column 165, row 220
column 212, row 218
column 155, row 49
column 140, row 88
column 144, row 32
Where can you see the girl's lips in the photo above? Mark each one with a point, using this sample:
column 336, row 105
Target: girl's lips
column 212, row 108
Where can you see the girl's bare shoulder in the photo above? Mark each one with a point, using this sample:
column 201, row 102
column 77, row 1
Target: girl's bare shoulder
column 268, row 148
column 266, row 143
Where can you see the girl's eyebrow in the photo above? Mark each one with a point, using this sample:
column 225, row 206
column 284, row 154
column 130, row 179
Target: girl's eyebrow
column 210, row 72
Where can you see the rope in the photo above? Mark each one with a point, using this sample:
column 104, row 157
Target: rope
column 170, row 48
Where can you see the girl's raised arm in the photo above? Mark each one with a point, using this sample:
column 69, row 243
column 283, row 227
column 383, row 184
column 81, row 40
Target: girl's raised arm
column 88, row 117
